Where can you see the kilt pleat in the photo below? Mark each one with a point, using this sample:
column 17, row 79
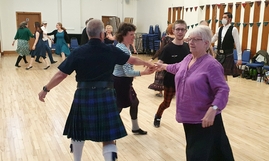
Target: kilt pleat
column 94, row 116
column 229, row 66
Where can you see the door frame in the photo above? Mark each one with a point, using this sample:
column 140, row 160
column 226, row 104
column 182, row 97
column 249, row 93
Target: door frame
column 30, row 22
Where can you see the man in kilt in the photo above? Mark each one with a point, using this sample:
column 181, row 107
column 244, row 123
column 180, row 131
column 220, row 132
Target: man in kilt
column 94, row 113
column 227, row 36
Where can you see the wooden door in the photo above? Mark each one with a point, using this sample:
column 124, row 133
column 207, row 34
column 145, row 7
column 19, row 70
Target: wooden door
column 31, row 18
column 105, row 20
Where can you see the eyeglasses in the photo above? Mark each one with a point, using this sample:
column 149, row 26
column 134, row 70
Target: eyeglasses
column 180, row 29
column 194, row 40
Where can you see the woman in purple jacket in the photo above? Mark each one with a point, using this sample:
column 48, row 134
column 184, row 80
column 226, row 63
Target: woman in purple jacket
column 202, row 93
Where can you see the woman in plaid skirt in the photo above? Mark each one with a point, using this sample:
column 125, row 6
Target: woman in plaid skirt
column 23, row 36
column 157, row 85
column 94, row 114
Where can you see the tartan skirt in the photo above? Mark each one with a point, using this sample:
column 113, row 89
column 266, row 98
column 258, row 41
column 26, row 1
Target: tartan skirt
column 157, row 85
column 230, row 67
column 94, row 116
column 23, row 47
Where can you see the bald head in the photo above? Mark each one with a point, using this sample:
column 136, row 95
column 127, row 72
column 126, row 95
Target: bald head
column 95, row 28
column 204, row 22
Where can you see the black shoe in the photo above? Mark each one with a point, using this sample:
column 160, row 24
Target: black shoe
column 53, row 62
column 17, row 66
column 46, row 68
column 140, row 132
column 236, row 75
column 157, row 122
column 29, row 67
column 38, row 61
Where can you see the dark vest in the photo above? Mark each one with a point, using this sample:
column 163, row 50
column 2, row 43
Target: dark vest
column 228, row 42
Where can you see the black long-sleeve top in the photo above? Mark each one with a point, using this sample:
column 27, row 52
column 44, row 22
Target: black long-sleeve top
column 66, row 37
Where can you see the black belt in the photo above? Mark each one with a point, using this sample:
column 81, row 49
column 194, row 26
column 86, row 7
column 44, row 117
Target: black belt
column 95, row 85
column 224, row 52
column 226, row 55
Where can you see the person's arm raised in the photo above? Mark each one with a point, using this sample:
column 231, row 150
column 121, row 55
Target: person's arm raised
column 137, row 61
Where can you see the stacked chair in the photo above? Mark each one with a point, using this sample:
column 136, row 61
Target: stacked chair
column 151, row 41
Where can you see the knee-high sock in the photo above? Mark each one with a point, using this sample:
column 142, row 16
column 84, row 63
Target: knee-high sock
column 77, row 147
column 110, row 152
column 18, row 60
column 24, row 58
column 135, row 125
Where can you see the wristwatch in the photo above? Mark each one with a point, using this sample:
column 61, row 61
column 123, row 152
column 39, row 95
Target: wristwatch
column 45, row 89
column 214, row 107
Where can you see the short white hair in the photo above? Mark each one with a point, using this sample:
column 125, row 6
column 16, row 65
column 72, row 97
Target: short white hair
column 95, row 27
column 203, row 31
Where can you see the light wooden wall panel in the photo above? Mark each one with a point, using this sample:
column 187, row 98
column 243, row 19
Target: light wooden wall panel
column 169, row 15
column 214, row 17
column 265, row 30
column 256, row 18
column 237, row 15
column 246, row 28
column 174, row 14
column 221, row 11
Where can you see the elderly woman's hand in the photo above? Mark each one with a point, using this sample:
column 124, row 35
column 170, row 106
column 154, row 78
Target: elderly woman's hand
column 209, row 117
column 160, row 66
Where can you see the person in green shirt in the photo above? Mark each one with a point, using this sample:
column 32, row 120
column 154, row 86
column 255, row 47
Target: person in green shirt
column 23, row 36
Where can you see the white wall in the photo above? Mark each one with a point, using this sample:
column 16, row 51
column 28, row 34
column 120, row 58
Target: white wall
column 73, row 13
column 154, row 12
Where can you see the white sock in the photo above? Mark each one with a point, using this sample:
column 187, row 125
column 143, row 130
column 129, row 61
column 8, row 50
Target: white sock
column 77, row 147
column 108, row 152
column 135, row 125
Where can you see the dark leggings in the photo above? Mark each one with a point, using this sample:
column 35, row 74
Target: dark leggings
column 133, row 109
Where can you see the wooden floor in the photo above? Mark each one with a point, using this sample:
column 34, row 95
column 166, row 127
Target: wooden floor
column 31, row 130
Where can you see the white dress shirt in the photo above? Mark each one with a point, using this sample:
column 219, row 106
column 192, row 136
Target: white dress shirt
column 45, row 36
column 235, row 36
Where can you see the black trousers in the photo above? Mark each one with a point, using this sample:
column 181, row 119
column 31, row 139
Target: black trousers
column 207, row 144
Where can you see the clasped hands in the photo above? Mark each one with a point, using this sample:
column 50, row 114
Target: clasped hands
column 151, row 68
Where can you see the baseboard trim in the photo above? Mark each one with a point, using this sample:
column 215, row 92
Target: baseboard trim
column 8, row 52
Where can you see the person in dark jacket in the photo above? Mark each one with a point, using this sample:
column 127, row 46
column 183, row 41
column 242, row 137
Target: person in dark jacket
column 84, row 37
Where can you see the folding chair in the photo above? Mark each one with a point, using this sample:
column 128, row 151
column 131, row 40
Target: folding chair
column 73, row 43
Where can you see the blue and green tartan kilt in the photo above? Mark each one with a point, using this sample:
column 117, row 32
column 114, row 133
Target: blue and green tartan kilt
column 23, row 47
column 94, row 116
